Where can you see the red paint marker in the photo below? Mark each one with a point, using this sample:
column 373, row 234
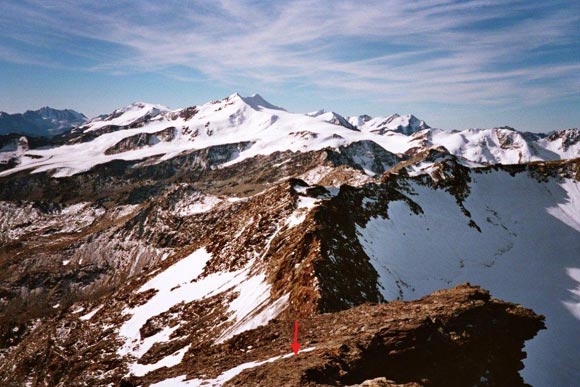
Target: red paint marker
column 295, row 344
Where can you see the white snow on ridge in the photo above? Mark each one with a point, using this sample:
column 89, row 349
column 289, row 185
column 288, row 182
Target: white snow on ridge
column 408, row 124
column 548, row 148
column 492, row 146
column 528, row 252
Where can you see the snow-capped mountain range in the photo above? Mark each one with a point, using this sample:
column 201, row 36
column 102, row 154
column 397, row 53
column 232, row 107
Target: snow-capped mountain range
column 165, row 247
column 146, row 130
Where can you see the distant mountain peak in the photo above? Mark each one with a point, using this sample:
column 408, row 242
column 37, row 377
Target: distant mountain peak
column 45, row 121
column 407, row 124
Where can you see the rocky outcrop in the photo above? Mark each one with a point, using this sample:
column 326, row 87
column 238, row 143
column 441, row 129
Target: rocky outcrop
column 141, row 140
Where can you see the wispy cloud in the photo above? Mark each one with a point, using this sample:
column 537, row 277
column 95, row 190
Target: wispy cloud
column 478, row 51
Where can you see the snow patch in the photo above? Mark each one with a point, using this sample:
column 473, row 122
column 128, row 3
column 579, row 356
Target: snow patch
column 173, row 286
column 89, row 315
column 569, row 211
column 300, row 189
column 168, row 361
column 78, row 310
column 251, row 313
column 307, row 202
column 303, row 206
column 145, row 345
column 314, row 175
column 296, row 218
column 200, row 206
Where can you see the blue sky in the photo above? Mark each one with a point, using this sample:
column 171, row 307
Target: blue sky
column 455, row 64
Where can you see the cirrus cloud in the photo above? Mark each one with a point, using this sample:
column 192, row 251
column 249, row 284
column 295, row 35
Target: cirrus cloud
column 474, row 51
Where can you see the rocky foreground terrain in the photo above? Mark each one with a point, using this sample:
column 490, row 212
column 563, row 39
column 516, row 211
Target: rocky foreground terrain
column 455, row 337
column 179, row 247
